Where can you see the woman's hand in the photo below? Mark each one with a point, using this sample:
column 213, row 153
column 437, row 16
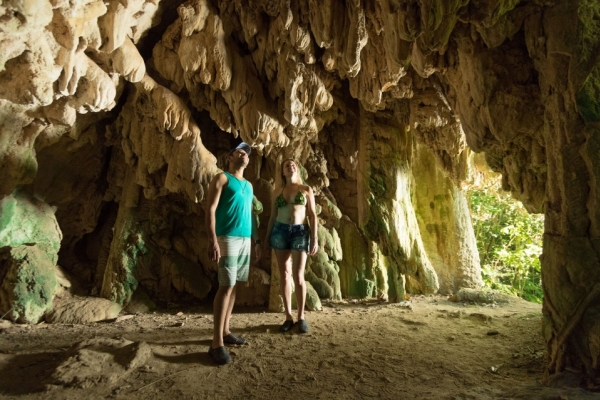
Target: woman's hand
column 313, row 222
column 314, row 247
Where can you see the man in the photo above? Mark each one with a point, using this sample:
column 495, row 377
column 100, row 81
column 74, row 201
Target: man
column 230, row 228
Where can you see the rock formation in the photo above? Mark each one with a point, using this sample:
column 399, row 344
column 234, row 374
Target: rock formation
column 114, row 116
column 98, row 360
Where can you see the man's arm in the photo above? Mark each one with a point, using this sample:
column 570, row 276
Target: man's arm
column 256, row 239
column 271, row 223
column 214, row 194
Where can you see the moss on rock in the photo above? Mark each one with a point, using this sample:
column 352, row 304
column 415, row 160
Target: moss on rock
column 25, row 219
column 321, row 287
column 355, row 264
column 29, row 283
column 30, row 239
column 313, row 302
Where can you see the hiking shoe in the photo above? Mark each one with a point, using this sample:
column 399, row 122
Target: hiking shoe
column 219, row 355
column 287, row 325
column 232, row 339
column 302, row 326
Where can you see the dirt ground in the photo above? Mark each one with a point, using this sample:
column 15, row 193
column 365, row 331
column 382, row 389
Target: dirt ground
column 426, row 348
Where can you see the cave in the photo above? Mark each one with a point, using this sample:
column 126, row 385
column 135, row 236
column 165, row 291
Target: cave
column 115, row 116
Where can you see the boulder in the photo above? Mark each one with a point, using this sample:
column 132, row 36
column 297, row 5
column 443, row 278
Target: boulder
column 29, row 283
column 82, row 310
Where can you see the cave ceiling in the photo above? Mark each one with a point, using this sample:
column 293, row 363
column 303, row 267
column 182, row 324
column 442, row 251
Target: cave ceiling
column 278, row 74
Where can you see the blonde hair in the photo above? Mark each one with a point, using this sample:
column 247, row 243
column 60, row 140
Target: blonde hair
column 299, row 167
column 283, row 180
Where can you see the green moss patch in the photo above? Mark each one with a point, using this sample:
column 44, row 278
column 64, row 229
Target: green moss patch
column 29, row 283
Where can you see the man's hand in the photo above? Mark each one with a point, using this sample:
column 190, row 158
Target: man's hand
column 214, row 252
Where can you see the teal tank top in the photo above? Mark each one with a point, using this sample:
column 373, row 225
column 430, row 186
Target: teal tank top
column 234, row 211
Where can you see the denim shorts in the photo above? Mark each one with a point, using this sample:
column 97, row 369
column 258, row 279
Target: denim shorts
column 290, row 237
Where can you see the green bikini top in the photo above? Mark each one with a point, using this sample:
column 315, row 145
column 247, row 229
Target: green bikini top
column 300, row 199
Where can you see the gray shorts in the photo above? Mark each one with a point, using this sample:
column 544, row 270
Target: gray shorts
column 234, row 263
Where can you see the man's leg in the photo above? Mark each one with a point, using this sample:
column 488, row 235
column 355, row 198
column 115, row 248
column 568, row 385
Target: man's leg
column 229, row 309
column 241, row 249
column 217, row 349
column 234, row 262
column 221, row 310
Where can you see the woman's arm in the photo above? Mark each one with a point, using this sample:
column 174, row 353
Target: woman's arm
column 313, row 222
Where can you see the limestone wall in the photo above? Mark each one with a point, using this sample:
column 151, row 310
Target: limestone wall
column 119, row 113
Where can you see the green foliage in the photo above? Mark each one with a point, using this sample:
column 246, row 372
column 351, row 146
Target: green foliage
column 509, row 240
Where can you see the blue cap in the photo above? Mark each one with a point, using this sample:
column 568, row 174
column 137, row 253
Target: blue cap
column 244, row 146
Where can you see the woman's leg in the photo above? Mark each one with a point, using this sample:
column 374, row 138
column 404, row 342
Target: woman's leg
column 298, row 266
column 284, row 261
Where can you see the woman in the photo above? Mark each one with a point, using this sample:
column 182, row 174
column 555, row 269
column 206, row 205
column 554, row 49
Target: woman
column 292, row 239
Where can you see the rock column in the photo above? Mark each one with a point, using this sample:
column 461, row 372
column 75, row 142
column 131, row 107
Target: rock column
column 565, row 41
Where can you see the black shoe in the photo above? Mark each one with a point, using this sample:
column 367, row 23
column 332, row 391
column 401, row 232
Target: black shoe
column 219, row 355
column 232, row 339
column 302, row 326
column 287, row 325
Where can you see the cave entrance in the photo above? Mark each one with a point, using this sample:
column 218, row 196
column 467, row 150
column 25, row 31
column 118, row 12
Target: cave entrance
column 509, row 240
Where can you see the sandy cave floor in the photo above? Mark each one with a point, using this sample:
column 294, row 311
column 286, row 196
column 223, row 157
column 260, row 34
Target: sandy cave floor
column 427, row 348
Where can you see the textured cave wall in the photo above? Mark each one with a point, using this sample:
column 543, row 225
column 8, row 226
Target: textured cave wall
column 385, row 208
column 444, row 220
column 118, row 114
column 571, row 127
column 440, row 168
column 127, row 142
column 264, row 71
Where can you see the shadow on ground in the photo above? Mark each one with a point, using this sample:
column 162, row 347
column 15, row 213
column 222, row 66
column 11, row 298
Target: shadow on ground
column 27, row 373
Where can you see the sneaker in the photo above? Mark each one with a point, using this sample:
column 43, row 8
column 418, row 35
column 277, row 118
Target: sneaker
column 219, row 355
column 232, row 339
column 302, row 326
column 287, row 325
